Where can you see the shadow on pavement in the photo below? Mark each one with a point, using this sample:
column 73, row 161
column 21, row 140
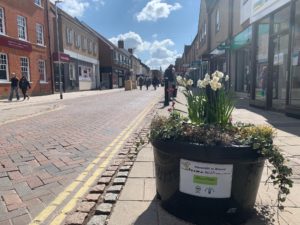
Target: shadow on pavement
column 277, row 119
column 156, row 215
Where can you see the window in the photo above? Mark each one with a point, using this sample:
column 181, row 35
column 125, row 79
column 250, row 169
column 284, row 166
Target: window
column 217, row 20
column 78, row 41
column 69, row 36
column 3, row 67
column 25, row 67
column 90, row 46
column 39, row 34
column 42, row 70
column 84, row 44
column 22, row 32
column 94, row 48
column 72, row 71
column 38, row 2
column 2, row 23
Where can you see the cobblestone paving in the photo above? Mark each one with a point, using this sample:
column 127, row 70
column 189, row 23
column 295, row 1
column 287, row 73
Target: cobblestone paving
column 39, row 156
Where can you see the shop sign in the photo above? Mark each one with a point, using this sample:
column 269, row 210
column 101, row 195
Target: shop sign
column 205, row 179
column 261, row 8
column 242, row 38
column 62, row 56
column 16, row 44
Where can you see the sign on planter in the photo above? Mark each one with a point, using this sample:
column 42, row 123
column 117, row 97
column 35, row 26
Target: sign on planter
column 205, row 179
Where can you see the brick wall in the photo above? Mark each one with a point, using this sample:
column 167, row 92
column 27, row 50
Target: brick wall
column 33, row 14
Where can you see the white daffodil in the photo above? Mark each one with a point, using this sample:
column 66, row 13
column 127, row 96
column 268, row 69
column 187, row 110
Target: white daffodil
column 179, row 79
column 219, row 74
column 199, row 83
column 219, row 85
column 190, row 82
column 215, row 79
column 226, row 78
column 207, row 77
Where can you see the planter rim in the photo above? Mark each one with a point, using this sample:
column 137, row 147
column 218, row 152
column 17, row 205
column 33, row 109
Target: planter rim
column 218, row 153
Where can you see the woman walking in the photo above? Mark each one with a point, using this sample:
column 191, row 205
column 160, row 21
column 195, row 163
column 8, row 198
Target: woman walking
column 24, row 85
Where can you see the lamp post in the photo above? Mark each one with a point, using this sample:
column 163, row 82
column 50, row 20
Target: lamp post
column 58, row 51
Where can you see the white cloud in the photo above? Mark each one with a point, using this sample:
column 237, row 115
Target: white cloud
column 76, row 8
column 156, row 9
column 159, row 53
column 132, row 40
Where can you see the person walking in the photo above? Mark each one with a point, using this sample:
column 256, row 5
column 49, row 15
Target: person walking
column 155, row 82
column 141, row 82
column 24, row 85
column 148, row 82
column 14, row 87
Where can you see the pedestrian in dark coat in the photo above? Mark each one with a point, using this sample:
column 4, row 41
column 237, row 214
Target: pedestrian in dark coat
column 14, row 87
column 24, row 85
column 155, row 82
column 141, row 82
column 148, row 83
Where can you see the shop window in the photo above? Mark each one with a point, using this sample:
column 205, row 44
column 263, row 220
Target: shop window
column 262, row 59
column 22, row 29
column 217, row 22
column 39, row 34
column 24, row 62
column 3, row 67
column 72, row 71
column 2, row 21
column 281, row 20
column 42, row 70
column 295, row 67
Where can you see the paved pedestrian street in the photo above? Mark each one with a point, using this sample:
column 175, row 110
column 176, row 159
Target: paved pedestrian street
column 51, row 153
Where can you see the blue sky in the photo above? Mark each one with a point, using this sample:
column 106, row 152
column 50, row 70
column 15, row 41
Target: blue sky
column 156, row 29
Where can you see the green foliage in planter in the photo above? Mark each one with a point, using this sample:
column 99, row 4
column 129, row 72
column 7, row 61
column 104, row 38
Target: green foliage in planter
column 260, row 138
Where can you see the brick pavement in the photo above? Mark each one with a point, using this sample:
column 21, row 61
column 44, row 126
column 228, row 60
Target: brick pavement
column 40, row 155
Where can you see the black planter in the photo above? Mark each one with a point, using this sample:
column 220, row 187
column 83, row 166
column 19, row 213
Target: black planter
column 239, row 167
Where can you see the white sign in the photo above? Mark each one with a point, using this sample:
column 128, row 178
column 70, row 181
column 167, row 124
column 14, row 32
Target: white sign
column 261, row 8
column 205, row 179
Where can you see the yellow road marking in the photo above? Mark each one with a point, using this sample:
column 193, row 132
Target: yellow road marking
column 72, row 203
column 67, row 191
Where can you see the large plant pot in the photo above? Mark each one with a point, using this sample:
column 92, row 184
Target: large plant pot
column 193, row 180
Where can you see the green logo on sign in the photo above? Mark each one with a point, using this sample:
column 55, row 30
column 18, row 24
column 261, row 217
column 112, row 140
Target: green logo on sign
column 205, row 180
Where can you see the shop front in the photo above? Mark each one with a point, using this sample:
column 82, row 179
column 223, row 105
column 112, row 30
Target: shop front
column 241, row 49
column 217, row 60
column 276, row 78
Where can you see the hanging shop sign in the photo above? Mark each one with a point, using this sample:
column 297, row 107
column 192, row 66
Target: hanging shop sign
column 205, row 179
column 62, row 56
column 261, row 8
column 16, row 44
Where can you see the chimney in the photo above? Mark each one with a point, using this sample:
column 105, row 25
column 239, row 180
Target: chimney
column 130, row 50
column 120, row 44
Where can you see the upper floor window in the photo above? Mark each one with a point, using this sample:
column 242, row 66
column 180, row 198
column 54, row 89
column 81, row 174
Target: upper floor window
column 217, row 20
column 90, row 46
column 39, row 34
column 24, row 62
column 22, row 29
column 77, row 40
column 94, row 48
column 2, row 21
column 69, row 36
column 38, row 2
column 84, row 43
column 3, row 67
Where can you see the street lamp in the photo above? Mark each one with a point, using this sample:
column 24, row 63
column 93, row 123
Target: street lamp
column 58, row 51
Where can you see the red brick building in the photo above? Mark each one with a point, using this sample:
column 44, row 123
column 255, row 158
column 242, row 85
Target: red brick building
column 24, row 45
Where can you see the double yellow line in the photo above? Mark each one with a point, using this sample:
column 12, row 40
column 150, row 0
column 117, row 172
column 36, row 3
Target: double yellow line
column 69, row 206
